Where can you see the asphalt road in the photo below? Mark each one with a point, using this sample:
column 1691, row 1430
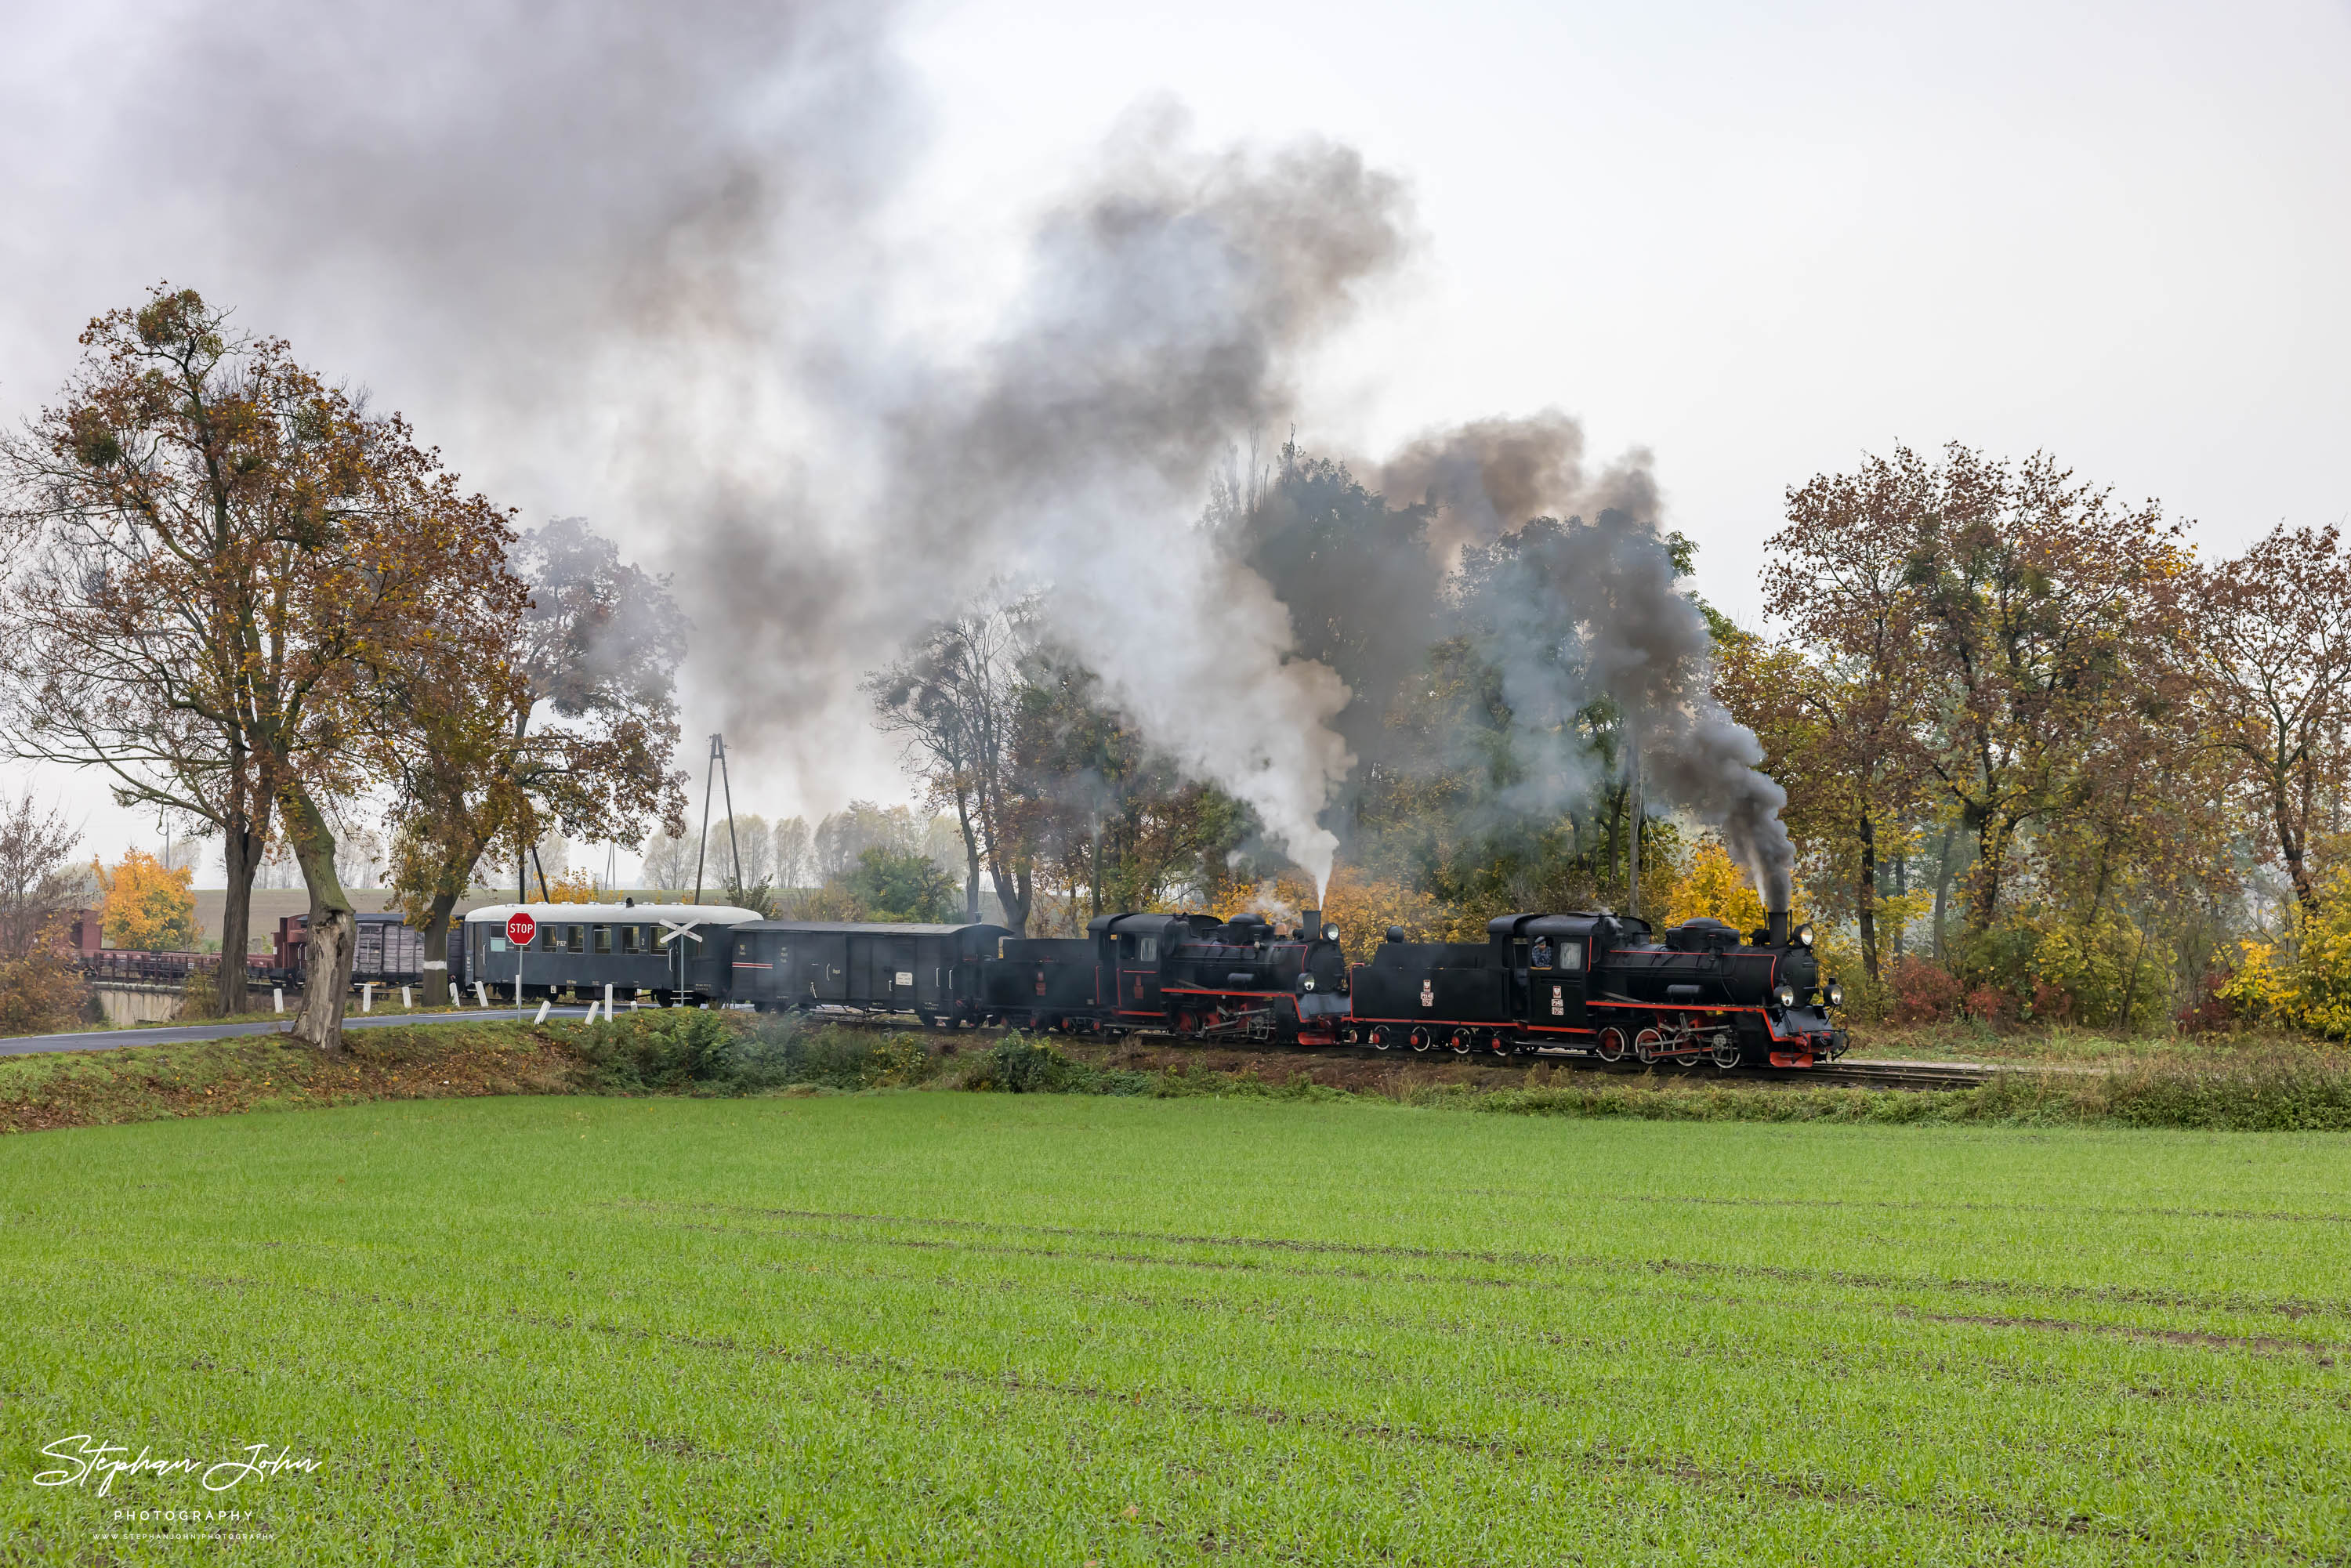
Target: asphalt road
column 162, row 1034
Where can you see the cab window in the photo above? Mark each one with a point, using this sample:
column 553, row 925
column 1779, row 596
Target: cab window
column 1148, row 950
column 1571, row 957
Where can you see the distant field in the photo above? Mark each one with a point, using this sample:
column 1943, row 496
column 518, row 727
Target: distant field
column 936, row 1328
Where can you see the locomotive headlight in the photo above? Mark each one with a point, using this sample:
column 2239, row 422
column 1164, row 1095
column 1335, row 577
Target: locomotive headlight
column 1835, row 994
column 1785, row 996
column 1804, row 935
column 1305, row 982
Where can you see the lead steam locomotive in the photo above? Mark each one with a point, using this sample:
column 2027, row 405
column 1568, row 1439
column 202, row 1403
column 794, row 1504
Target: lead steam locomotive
column 1592, row 983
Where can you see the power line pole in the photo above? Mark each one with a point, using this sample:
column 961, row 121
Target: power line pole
column 702, row 847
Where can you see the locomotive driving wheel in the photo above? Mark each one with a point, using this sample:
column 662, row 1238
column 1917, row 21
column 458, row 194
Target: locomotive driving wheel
column 1646, row 1046
column 1463, row 1039
column 1499, row 1042
column 1381, row 1037
column 1726, row 1051
column 1609, row 1047
column 1420, row 1039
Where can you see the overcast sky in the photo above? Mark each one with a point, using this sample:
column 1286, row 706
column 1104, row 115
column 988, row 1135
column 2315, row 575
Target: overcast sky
column 1758, row 241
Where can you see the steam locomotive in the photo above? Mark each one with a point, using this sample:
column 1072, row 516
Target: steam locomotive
column 1592, row 982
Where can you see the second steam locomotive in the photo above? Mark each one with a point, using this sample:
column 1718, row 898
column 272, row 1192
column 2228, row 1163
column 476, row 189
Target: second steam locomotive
column 1592, row 982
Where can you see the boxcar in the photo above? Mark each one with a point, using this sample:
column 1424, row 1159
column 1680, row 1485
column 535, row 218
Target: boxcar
column 930, row 971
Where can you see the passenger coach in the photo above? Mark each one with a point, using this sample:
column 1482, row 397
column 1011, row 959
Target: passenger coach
column 679, row 952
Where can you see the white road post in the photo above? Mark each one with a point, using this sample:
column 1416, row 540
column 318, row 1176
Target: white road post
column 367, row 996
column 607, row 1004
column 404, row 1003
column 482, row 994
column 543, row 1006
column 278, row 996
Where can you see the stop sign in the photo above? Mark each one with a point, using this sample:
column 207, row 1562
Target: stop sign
column 520, row 929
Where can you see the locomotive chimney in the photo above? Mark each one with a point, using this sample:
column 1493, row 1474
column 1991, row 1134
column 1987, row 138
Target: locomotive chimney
column 1778, row 920
column 1309, row 926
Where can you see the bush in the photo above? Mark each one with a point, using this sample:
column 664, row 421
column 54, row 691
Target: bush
column 1923, row 992
column 41, row 994
column 2307, row 987
column 691, row 1049
column 1020, row 1065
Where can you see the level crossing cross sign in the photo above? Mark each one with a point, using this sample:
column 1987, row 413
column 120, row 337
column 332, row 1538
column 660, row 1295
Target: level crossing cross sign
column 520, row 929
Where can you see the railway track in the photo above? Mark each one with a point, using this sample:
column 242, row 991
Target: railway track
column 1865, row 1074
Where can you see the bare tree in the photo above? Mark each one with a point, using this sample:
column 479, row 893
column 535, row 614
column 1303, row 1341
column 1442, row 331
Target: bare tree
column 956, row 698
column 38, row 882
column 795, row 854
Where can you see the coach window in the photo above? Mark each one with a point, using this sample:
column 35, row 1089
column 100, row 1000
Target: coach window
column 601, row 942
column 497, row 944
column 652, row 940
column 550, row 937
column 573, row 945
column 628, row 938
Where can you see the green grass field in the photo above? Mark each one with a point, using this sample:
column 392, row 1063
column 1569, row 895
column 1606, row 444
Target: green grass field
column 939, row 1328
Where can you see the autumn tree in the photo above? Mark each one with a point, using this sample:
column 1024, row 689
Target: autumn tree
column 1841, row 702
column 150, row 907
column 2273, row 665
column 217, row 560
column 570, row 725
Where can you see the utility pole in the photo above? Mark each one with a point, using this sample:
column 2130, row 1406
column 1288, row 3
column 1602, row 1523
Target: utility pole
column 701, row 846
column 726, row 783
column 717, row 773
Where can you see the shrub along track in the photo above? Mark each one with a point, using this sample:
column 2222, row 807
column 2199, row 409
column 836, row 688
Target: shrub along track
column 1166, row 1052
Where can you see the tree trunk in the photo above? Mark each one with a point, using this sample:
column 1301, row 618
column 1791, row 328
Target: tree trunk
column 437, row 949
column 242, row 844
column 970, row 860
column 2290, row 842
column 1991, row 850
column 1868, row 899
column 1942, row 890
column 331, row 940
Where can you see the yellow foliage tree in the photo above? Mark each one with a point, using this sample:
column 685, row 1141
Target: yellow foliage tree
column 1713, row 885
column 149, row 907
column 2308, row 986
column 1363, row 906
column 574, row 887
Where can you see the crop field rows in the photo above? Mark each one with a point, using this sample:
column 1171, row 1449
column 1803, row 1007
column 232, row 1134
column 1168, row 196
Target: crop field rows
column 930, row 1328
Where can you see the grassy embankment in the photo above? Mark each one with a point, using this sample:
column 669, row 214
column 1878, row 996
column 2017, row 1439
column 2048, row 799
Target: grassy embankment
column 2252, row 1085
column 932, row 1328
